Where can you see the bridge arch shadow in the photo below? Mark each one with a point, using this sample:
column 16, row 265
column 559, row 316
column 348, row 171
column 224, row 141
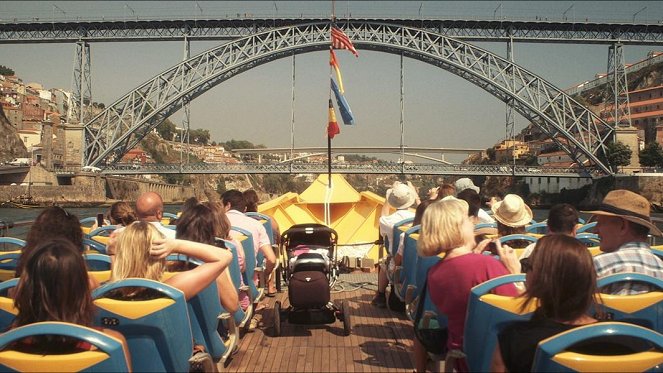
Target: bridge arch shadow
column 574, row 128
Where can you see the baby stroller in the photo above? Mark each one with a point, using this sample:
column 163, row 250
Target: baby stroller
column 310, row 271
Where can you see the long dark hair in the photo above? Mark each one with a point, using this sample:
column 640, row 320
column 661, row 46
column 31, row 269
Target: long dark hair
column 52, row 222
column 54, row 287
column 562, row 278
column 197, row 224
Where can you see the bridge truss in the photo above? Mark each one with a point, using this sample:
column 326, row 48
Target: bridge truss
column 124, row 123
column 230, row 29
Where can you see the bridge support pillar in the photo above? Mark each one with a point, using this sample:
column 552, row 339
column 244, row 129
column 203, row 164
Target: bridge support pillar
column 618, row 90
column 629, row 136
column 80, row 100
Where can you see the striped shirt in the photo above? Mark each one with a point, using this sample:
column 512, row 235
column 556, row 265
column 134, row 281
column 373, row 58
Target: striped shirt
column 630, row 257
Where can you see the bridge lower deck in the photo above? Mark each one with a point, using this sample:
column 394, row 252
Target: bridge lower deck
column 380, row 341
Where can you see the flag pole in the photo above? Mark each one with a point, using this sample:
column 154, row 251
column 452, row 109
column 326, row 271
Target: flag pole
column 329, row 156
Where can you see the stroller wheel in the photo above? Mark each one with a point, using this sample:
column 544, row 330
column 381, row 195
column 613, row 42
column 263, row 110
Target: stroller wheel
column 277, row 318
column 347, row 323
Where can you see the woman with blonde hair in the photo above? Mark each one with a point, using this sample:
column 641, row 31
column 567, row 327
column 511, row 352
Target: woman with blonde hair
column 448, row 231
column 141, row 251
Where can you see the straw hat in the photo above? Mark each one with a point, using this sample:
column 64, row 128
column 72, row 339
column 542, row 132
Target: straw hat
column 465, row 183
column 512, row 211
column 400, row 196
column 629, row 206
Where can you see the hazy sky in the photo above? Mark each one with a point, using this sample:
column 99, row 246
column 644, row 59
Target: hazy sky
column 441, row 109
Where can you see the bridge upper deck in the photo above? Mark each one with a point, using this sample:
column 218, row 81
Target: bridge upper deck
column 521, row 30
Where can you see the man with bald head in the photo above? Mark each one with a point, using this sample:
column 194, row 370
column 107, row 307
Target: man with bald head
column 149, row 208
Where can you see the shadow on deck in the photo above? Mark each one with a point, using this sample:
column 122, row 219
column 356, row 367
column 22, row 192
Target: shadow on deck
column 380, row 341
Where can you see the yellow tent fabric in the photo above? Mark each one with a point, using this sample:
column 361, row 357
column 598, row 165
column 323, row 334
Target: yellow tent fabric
column 342, row 191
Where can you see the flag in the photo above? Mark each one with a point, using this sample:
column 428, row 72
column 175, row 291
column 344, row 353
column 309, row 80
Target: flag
column 341, row 41
column 332, row 126
column 343, row 106
column 333, row 63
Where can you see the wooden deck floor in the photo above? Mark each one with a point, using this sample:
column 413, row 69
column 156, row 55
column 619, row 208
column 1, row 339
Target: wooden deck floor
column 380, row 341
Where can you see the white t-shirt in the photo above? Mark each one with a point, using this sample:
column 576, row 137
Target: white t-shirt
column 387, row 224
column 167, row 232
column 484, row 217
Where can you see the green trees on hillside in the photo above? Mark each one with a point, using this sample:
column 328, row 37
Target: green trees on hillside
column 651, row 155
column 4, row 70
column 617, row 154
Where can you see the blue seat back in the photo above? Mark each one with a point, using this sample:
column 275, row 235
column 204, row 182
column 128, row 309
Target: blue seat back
column 8, row 264
column 204, row 310
column 97, row 262
column 249, row 260
column 7, row 310
column 422, row 266
column 642, row 309
column 518, row 237
column 589, row 239
column 88, row 220
column 107, row 357
column 157, row 330
column 11, row 244
column 485, row 225
column 399, row 227
column 170, row 215
column 587, row 228
column 409, row 263
column 487, row 315
column 104, row 230
column 552, row 355
column 538, row 228
column 266, row 222
column 236, row 277
column 95, row 245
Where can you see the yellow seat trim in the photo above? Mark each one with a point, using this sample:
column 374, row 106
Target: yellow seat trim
column 24, row 362
column 631, row 303
column 167, row 275
column 102, row 239
column 133, row 309
column 100, row 276
column 638, row 362
column 7, row 304
column 594, row 250
column 509, row 304
column 7, row 274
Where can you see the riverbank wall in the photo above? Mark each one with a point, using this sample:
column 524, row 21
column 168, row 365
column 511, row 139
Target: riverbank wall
column 648, row 185
column 47, row 189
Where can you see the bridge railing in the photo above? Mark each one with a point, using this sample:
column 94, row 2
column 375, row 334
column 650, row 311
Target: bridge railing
column 344, row 168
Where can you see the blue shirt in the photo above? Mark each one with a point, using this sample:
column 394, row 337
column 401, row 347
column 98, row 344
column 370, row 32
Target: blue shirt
column 630, row 257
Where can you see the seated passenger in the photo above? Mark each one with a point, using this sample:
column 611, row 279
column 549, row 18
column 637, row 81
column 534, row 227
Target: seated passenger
column 562, row 219
column 400, row 197
column 563, row 283
column 466, row 183
column 623, row 222
column 198, row 224
column 512, row 215
column 53, row 222
column 141, row 251
column 235, row 206
column 53, row 287
column 149, row 208
column 447, row 229
column 121, row 214
column 251, row 198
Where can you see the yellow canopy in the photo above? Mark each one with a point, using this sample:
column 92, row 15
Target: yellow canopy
column 342, row 191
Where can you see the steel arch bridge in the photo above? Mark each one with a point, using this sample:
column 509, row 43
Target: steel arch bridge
column 123, row 124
